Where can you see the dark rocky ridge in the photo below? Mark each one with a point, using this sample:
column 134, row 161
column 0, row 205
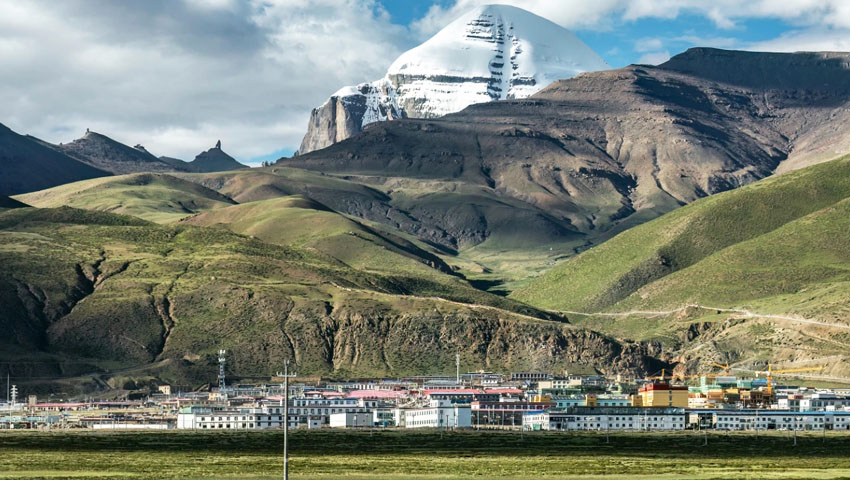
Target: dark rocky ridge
column 105, row 153
column 27, row 165
column 214, row 160
column 610, row 149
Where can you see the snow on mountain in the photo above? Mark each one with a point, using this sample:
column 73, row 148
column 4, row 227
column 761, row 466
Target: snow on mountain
column 494, row 52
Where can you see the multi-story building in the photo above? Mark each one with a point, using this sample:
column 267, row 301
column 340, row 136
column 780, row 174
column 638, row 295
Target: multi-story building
column 606, row 418
column 822, row 401
column 662, row 395
column 221, row 418
column 780, row 420
column 503, row 414
column 302, row 410
column 440, row 414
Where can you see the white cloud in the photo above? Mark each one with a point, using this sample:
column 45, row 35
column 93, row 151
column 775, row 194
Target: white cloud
column 177, row 76
column 809, row 40
column 603, row 14
column 647, row 44
column 654, row 58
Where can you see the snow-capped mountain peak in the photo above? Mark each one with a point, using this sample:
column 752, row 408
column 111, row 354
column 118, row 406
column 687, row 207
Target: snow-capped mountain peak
column 493, row 52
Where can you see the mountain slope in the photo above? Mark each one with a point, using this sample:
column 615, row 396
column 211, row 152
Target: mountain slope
column 490, row 53
column 27, row 165
column 91, row 290
column 297, row 221
column 6, row 202
column 777, row 248
column 596, row 154
column 107, row 154
column 620, row 268
column 152, row 196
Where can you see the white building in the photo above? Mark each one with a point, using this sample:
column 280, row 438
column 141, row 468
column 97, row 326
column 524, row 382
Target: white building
column 605, row 419
column 780, row 420
column 823, row 401
column 302, row 410
column 351, row 420
column 208, row 418
column 440, row 414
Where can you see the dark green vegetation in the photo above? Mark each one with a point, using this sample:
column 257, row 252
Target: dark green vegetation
column 27, row 165
column 780, row 246
column 423, row 455
column 95, row 296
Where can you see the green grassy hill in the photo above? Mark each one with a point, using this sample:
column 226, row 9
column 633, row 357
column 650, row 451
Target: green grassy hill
column 97, row 297
column 777, row 248
column 492, row 240
column 157, row 197
column 803, row 204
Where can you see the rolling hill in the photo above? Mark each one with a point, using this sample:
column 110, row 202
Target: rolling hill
column 157, row 197
column 27, row 165
column 762, row 269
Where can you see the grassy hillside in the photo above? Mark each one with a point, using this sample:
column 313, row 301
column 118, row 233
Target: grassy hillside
column 492, row 240
column 768, row 266
column 801, row 203
column 156, row 197
column 97, row 296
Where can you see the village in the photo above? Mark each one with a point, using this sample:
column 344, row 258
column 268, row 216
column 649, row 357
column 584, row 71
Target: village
column 520, row 401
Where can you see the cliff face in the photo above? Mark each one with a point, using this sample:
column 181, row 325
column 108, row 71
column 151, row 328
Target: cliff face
column 491, row 53
column 344, row 116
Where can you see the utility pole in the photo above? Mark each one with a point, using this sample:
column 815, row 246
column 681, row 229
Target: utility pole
column 221, row 362
column 286, row 376
column 457, row 365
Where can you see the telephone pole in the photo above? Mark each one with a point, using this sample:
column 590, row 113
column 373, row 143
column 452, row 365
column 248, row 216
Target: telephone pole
column 221, row 363
column 286, row 376
column 457, row 365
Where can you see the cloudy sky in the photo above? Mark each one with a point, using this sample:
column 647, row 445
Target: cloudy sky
column 177, row 75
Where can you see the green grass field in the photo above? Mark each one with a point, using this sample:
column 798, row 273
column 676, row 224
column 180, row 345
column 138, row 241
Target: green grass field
column 423, row 455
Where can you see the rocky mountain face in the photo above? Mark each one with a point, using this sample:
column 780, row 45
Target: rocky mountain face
column 491, row 53
column 603, row 151
column 27, row 165
column 107, row 154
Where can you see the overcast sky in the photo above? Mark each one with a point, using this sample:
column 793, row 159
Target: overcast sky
column 177, row 75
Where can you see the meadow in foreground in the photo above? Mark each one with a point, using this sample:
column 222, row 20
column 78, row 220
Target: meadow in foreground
column 422, row 455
